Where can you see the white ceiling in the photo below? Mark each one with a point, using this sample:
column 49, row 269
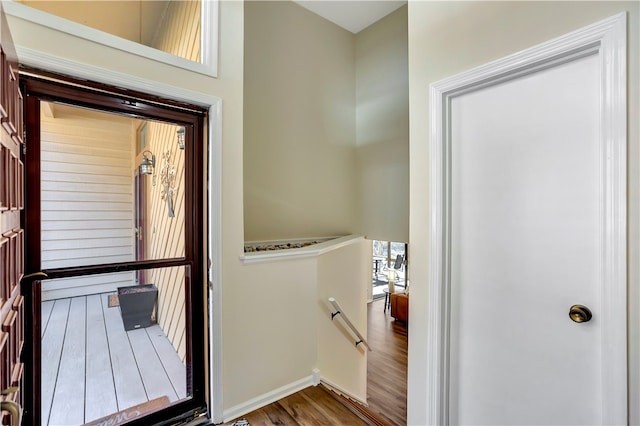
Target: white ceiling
column 352, row 15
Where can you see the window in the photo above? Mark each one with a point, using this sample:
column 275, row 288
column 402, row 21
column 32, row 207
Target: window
column 149, row 28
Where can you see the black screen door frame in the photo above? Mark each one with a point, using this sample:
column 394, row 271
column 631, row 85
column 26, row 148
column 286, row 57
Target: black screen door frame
column 40, row 86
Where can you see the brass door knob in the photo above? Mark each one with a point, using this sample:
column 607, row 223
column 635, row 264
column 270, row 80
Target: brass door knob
column 580, row 313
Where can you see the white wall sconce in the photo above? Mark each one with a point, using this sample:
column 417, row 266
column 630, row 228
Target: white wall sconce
column 180, row 133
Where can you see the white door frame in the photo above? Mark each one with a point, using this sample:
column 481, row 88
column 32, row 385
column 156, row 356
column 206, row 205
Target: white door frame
column 607, row 40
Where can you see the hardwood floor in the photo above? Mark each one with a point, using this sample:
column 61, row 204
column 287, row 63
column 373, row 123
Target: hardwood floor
column 311, row 406
column 386, row 386
column 387, row 365
column 92, row 367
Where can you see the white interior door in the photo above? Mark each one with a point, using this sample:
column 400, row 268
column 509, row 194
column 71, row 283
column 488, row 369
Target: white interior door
column 529, row 169
column 525, row 248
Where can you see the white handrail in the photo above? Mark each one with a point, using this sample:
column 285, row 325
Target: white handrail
column 353, row 329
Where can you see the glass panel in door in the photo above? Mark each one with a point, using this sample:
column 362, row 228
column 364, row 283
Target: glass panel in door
column 109, row 188
column 108, row 192
column 112, row 192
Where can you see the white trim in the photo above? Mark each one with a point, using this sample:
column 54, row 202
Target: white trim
column 300, row 253
column 607, row 39
column 38, row 59
column 214, row 126
column 214, row 192
column 268, row 398
column 209, row 36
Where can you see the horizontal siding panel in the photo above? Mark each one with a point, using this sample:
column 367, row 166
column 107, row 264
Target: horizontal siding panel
column 119, row 279
column 93, row 279
column 87, row 169
column 85, row 117
column 92, row 243
column 122, row 278
column 86, row 286
column 87, row 233
column 57, row 215
column 67, row 293
column 53, row 195
column 89, row 151
column 77, row 292
column 89, row 187
column 86, row 178
column 87, row 225
column 117, row 141
column 76, row 158
column 88, row 128
column 98, row 259
column 71, row 253
column 80, row 206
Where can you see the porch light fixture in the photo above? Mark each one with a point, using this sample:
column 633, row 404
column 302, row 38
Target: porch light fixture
column 147, row 164
column 180, row 133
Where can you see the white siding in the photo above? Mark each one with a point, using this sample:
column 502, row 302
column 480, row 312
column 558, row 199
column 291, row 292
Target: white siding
column 87, row 197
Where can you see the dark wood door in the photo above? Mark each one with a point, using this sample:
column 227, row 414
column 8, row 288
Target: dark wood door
column 12, row 305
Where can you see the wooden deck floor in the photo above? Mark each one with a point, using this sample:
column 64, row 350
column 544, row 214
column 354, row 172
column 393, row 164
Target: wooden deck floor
column 92, row 367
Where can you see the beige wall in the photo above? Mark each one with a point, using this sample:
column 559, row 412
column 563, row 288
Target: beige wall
column 446, row 38
column 382, row 128
column 299, row 109
column 344, row 274
column 270, row 328
column 278, row 327
column 326, row 118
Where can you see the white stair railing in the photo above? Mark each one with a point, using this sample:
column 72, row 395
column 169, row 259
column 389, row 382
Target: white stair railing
column 349, row 324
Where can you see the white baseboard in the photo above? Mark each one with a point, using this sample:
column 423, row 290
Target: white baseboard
column 314, row 379
column 269, row 397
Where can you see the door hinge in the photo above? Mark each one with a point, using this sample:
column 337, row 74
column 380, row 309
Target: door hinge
column 24, row 145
